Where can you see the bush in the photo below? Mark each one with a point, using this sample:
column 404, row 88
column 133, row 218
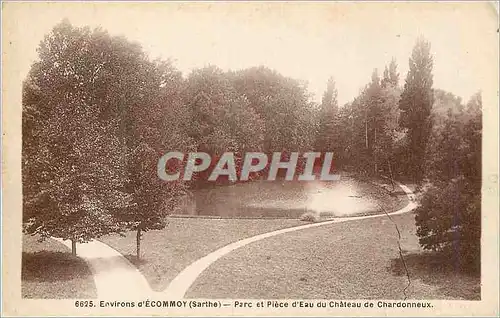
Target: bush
column 449, row 220
column 309, row 217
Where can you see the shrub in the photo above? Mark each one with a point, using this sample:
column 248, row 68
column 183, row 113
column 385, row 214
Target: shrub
column 449, row 220
column 309, row 217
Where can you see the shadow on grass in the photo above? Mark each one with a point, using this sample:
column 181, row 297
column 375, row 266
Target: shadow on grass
column 441, row 270
column 111, row 263
column 132, row 258
column 397, row 193
column 243, row 211
column 48, row 266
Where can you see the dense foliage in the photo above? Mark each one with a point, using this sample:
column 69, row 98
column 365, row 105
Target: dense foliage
column 449, row 217
column 98, row 114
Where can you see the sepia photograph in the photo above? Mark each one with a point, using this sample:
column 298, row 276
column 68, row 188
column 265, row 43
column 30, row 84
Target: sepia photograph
column 257, row 158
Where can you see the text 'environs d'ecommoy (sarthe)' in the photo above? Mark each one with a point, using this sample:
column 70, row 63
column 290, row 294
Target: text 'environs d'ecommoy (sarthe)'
column 276, row 304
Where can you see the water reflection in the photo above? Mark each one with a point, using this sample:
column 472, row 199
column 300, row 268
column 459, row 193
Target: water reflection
column 278, row 199
column 338, row 198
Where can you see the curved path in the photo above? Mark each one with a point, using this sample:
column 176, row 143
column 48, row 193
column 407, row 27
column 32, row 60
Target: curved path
column 116, row 278
column 181, row 283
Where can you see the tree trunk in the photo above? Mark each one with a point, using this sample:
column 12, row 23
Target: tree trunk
column 375, row 166
column 366, row 133
column 73, row 247
column 138, row 239
column 390, row 174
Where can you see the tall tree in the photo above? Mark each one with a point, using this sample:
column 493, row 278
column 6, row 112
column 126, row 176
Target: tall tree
column 415, row 105
column 156, row 119
column 329, row 100
column 390, row 135
column 370, row 130
column 391, row 75
column 328, row 130
column 283, row 104
column 222, row 119
column 73, row 161
column 473, row 139
column 97, row 116
column 378, row 134
column 449, row 217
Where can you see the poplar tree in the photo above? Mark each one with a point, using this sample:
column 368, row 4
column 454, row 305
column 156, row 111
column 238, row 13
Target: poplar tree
column 328, row 131
column 416, row 104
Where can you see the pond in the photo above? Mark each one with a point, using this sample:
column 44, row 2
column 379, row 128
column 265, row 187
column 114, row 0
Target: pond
column 282, row 199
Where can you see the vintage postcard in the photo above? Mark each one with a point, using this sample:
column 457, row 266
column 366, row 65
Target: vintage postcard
column 250, row 158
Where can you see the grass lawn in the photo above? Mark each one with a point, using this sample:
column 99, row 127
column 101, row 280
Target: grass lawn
column 167, row 252
column 357, row 259
column 50, row 271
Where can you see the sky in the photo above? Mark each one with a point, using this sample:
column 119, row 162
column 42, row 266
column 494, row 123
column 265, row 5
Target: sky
column 304, row 40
